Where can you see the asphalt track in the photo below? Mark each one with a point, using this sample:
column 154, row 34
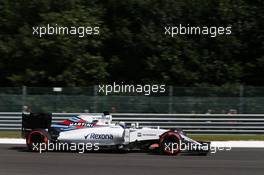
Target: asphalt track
column 15, row 160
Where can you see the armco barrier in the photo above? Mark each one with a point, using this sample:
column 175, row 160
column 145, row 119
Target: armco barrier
column 190, row 123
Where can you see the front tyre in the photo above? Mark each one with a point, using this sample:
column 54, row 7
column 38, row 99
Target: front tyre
column 169, row 143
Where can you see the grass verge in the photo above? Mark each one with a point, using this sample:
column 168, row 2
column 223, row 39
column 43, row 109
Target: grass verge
column 226, row 137
column 10, row 134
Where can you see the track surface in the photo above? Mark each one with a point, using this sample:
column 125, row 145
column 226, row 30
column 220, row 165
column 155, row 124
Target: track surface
column 15, row 160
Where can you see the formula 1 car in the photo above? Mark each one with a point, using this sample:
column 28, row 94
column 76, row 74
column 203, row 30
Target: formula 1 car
column 100, row 131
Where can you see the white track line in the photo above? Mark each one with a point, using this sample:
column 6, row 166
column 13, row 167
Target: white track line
column 233, row 144
column 239, row 144
column 12, row 141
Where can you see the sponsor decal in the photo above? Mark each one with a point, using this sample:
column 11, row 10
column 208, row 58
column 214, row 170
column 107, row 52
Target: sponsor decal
column 93, row 136
column 81, row 124
column 149, row 135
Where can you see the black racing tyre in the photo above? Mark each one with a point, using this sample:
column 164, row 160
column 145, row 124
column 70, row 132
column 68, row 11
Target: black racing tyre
column 37, row 139
column 169, row 143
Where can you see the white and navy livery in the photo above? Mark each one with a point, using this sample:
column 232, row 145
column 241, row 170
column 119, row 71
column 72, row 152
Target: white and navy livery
column 99, row 129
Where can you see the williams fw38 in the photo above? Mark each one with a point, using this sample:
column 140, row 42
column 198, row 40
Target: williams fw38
column 102, row 134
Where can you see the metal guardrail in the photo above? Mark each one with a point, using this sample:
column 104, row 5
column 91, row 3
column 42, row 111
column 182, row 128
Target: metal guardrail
column 190, row 123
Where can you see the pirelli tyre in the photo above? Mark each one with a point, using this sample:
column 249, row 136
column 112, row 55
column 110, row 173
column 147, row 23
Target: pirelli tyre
column 169, row 143
column 38, row 140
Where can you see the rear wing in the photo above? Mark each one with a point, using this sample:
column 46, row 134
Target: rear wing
column 34, row 121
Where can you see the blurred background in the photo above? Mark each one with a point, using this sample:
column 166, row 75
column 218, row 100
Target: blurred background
column 202, row 74
column 190, row 100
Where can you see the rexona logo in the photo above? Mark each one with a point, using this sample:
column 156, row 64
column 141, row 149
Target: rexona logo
column 99, row 136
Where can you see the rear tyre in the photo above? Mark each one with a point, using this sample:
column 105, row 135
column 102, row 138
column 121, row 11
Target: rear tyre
column 38, row 140
column 170, row 143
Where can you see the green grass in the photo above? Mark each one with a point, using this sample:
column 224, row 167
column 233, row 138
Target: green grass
column 226, row 137
column 10, row 134
column 214, row 137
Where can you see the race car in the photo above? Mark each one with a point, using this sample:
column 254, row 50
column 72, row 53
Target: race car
column 101, row 132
